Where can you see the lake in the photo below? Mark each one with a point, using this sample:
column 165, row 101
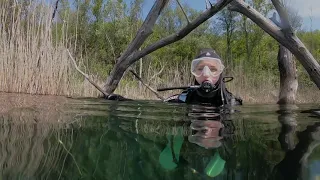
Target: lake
column 48, row 137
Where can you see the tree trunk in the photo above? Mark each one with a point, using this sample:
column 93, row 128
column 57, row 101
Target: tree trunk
column 289, row 40
column 126, row 58
column 288, row 76
column 115, row 77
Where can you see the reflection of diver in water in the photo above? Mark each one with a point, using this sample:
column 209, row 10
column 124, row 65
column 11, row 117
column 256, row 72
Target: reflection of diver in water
column 295, row 160
column 209, row 132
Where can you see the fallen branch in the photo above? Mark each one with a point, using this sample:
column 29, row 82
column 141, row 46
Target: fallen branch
column 100, row 89
column 150, row 88
column 87, row 76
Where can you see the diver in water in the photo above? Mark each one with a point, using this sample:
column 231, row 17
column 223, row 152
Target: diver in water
column 209, row 86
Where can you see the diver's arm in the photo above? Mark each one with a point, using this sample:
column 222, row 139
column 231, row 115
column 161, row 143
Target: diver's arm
column 233, row 100
column 174, row 99
column 116, row 97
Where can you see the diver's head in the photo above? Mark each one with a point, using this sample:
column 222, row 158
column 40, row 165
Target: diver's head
column 207, row 67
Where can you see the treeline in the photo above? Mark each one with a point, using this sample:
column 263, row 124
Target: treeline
column 97, row 31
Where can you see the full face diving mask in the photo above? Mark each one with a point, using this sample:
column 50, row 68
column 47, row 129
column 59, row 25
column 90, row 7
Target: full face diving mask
column 207, row 66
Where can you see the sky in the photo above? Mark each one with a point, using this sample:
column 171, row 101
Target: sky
column 309, row 10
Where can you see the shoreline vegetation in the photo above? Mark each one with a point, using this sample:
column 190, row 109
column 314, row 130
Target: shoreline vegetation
column 34, row 58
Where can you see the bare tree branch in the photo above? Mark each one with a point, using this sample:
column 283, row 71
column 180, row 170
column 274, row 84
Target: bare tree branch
column 150, row 88
column 86, row 75
column 155, row 75
column 208, row 4
column 274, row 19
column 123, row 61
column 266, row 24
column 284, row 19
column 183, row 32
column 101, row 90
column 185, row 15
column 146, row 29
column 55, row 9
column 290, row 41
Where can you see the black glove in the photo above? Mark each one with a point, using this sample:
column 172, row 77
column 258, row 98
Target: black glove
column 116, row 97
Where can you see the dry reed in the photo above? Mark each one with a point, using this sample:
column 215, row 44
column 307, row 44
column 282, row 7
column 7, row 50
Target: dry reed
column 31, row 60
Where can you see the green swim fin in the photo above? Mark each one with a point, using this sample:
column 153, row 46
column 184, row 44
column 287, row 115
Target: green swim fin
column 166, row 158
column 215, row 166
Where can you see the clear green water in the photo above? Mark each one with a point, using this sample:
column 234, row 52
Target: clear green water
column 97, row 139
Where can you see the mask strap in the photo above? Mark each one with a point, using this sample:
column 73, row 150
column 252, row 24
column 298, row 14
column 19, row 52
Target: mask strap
column 223, row 90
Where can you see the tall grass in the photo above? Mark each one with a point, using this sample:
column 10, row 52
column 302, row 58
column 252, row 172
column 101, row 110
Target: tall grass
column 31, row 60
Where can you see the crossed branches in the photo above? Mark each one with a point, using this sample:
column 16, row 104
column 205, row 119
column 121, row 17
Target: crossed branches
column 283, row 34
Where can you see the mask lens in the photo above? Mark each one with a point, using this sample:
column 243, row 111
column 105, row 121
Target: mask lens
column 206, row 71
column 207, row 66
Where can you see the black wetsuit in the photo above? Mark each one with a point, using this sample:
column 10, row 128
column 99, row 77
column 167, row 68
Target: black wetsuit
column 217, row 98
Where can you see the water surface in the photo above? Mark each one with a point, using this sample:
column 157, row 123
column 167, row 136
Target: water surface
column 45, row 137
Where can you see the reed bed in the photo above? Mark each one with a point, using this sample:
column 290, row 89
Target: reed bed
column 31, row 59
